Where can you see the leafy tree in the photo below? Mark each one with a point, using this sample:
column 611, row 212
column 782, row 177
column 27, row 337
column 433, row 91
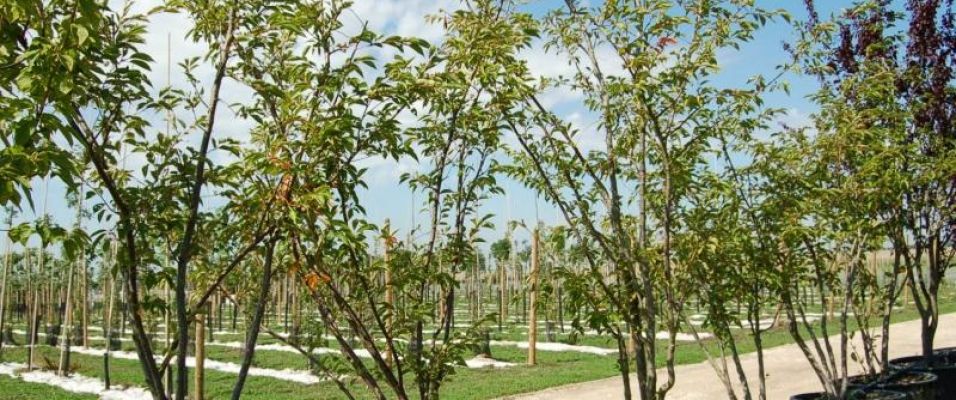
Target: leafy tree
column 657, row 117
column 501, row 250
column 892, row 93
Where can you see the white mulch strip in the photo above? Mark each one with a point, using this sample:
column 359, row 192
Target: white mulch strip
column 552, row 346
column 485, row 362
column 75, row 383
column 684, row 337
column 289, row 349
column 763, row 324
column 160, row 334
column 681, row 337
column 477, row 362
column 291, row 375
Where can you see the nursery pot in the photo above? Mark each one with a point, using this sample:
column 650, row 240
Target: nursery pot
column 115, row 342
column 871, row 395
column 917, row 385
column 8, row 336
column 943, row 365
column 52, row 335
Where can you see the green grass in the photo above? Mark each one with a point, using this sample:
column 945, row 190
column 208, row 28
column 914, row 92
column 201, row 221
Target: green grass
column 15, row 389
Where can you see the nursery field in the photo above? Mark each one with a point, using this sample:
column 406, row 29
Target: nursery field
column 280, row 372
column 476, row 199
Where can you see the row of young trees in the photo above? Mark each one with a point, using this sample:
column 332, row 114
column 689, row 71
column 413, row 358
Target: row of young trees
column 687, row 196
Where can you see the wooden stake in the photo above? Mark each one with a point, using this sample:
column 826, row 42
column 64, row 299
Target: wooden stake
column 35, row 316
column 200, row 355
column 67, row 326
column 167, row 322
column 532, row 306
column 109, row 315
column 389, row 290
column 85, row 306
column 3, row 281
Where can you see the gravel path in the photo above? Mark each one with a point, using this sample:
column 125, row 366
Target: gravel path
column 788, row 372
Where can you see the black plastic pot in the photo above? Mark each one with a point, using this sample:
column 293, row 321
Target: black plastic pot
column 52, row 335
column 945, row 350
column 943, row 365
column 8, row 336
column 917, row 385
column 115, row 342
column 871, row 395
column 809, row 396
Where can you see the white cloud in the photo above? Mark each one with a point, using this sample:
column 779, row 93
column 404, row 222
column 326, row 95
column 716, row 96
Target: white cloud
column 553, row 64
column 402, row 17
column 387, row 171
column 795, row 119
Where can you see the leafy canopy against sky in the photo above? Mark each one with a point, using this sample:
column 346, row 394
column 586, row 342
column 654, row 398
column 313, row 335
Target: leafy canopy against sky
column 387, row 198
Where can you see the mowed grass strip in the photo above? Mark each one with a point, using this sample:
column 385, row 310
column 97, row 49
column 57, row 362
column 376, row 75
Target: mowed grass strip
column 16, row 389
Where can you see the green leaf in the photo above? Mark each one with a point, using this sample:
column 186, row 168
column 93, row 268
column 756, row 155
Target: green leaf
column 81, row 35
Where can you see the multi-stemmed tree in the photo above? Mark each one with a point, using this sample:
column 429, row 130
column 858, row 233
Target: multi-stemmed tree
column 643, row 69
column 886, row 88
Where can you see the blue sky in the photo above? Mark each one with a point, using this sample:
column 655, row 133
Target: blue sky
column 386, row 198
column 759, row 56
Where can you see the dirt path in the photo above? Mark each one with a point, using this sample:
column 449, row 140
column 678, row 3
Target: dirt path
column 788, row 372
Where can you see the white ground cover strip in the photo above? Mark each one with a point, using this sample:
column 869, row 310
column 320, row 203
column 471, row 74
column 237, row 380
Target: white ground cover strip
column 764, row 323
column 477, row 362
column 75, row 383
column 684, row 337
column 485, row 362
column 552, row 346
column 291, row 375
column 41, row 334
column 286, row 348
column 161, row 334
column 681, row 337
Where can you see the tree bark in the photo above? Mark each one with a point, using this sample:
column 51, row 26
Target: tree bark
column 253, row 332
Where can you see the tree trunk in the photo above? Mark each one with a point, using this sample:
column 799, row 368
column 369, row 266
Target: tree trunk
column 253, row 327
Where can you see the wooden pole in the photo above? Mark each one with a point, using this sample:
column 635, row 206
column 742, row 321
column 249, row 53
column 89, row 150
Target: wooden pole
column 533, row 299
column 35, row 315
column 67, row 326
column 503, row 285
column 389, row 290
column 167, row 330
column 108, row 321
column 200, row 356
column 85, row 306
column 84, row 276
column 477, row 286
column 3, row 281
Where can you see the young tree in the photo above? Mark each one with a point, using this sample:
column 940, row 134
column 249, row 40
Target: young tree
column 894, row 91
column 643, row 68
column 101, row 102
